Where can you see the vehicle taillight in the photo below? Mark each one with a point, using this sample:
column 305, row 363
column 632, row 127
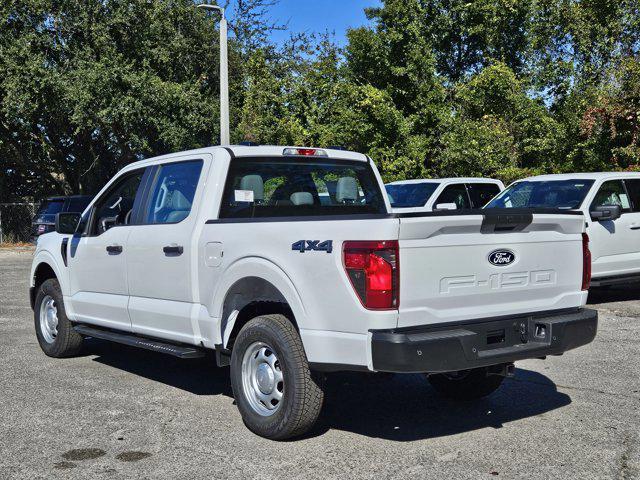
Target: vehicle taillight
column 373, row 268
column 586, row 262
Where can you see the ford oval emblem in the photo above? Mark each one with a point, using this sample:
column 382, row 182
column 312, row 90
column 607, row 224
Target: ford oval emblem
column 502, row 258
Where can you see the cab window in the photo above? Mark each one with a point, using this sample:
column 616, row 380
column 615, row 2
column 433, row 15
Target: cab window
column 633, row 187
column 612, row 192
column 173, row 193
column 286, row 187
column 481, row 193
column 115, row 207
column 457, row 194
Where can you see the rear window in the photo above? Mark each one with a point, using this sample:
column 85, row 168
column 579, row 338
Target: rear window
column 406, row 195
column 561, row 194
column 51, row 207
column 282, row 187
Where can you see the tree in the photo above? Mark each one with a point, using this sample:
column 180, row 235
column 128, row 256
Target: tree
column 89, row 86
column 497, row 128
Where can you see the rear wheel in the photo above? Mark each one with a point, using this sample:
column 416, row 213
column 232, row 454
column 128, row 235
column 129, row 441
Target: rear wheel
column 276, row 393
column 466, row 384
column 55, row 333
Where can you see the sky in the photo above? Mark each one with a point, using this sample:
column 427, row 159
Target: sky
column 318, row 16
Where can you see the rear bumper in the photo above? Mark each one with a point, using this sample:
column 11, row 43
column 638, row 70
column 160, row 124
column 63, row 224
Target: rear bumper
column 448, row 348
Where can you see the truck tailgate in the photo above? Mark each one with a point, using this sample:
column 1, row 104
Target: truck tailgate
column 463, row 267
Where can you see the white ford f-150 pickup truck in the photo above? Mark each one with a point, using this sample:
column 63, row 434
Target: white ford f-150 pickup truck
column 288, row 262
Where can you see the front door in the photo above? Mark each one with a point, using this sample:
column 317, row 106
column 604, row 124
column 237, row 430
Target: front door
column 97, row 258
column 614, row 244
column 161, row 253
column 454, row 193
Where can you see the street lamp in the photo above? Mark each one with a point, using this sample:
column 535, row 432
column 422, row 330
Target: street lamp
column 224, row 75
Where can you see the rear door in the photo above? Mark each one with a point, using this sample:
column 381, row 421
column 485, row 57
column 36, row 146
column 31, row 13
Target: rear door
column 633, row 189
column 453, row 267
column 162, row 252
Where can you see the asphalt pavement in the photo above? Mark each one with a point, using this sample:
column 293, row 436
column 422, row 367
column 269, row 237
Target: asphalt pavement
column 116, row 412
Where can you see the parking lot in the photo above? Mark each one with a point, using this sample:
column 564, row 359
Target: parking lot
column 117, row 412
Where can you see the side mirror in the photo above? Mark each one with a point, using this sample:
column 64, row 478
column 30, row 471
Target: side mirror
column 445, row 206
column 67, row 222
column 606, row 212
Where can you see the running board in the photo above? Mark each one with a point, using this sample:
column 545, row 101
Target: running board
column 140, row 342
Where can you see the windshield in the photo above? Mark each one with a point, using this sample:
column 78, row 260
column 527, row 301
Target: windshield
column 404, row 195
column 78, row 204
column 561, row 194
column 51, row 207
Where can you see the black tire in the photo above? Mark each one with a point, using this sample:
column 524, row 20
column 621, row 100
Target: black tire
column 466, row 385
column 67, row 342
column 302, row 391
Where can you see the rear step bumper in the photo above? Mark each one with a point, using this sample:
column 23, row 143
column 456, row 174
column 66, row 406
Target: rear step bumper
column 433, row 349
column 180, row 351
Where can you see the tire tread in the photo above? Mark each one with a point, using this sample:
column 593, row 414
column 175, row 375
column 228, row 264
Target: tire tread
column 308, row 404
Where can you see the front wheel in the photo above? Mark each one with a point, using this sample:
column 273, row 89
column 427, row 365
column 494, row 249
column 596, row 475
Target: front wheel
column 276, row 393
column 467, row 384
column 55, row 333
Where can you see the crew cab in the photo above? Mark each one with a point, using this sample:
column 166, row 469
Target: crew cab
column 610, row 203
column 428, row 195
column 288, row 263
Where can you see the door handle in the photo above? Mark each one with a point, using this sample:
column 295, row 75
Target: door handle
column 173, row 250
column 114, row 249
column 635, row 227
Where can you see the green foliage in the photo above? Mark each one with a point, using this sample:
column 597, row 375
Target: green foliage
column 499, row 88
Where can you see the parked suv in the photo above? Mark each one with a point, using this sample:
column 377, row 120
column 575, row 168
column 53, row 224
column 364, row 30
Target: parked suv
column 610, row 203
column 441, row 194
column 45, row 219
column 287, row 262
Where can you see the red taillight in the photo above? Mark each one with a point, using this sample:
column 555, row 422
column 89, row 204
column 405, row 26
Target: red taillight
column 373, row 268
column 586, row 262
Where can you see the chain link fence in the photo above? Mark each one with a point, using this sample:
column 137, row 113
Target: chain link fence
column 15, row 222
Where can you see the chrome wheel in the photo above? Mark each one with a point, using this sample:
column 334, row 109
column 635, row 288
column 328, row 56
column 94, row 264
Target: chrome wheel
column 262, row 379
column 49, row 319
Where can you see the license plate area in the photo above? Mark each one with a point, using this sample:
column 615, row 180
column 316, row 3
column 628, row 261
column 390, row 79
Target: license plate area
column 525, row 332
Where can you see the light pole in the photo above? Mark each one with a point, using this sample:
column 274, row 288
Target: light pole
column 224, row 75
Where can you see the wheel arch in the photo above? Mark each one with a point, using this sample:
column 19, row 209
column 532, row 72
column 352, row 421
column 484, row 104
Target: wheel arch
column 248, row 298
column 44, row 268
column 252, row 287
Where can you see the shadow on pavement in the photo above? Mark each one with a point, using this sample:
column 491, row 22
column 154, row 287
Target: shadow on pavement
column 196, row 376
column 393, row 407
column 598, row 295
column 406, row 408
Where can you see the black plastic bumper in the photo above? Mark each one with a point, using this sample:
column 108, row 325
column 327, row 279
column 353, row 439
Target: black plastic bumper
column 448, row 348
